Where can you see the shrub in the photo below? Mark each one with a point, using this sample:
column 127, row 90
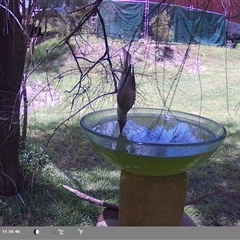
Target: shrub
column 32, row 158
column 161, row 28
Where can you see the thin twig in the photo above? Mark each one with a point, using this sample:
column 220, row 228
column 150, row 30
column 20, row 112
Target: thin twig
column 196, row 200
column 88, row 198
column 96, row 201
column 74, row 114
column 15, row 18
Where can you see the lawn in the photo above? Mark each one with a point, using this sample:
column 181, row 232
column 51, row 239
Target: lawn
column 58, row 153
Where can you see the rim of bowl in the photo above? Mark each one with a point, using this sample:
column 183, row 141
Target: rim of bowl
column 218, row 138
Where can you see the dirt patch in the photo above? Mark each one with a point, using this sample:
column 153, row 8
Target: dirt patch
column 169, row 57
column 41, row 95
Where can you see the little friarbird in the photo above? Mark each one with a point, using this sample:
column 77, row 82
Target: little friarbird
column 126, row 90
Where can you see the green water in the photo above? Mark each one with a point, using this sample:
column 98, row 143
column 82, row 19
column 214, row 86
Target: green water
column 151, row 166
column 160, row 147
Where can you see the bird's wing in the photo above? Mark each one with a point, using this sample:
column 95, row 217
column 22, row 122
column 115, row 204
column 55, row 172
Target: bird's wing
column 126, row 92
column 126, row 89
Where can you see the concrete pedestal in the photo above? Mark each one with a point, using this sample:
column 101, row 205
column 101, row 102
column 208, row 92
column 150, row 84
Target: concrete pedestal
column 152, row 201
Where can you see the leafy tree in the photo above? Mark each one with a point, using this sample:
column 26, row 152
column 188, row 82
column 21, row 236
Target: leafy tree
column 161, row 28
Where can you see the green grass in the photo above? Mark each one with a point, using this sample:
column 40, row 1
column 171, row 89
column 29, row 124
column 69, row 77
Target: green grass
column 211, row 90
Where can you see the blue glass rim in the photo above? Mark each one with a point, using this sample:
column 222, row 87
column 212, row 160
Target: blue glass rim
column 113, row 112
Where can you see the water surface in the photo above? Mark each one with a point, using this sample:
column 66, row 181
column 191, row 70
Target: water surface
column 165, row 129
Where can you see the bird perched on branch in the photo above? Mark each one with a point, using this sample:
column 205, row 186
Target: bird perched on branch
column 126, row 90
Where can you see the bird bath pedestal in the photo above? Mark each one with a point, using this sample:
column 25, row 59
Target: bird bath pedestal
column 152, row 201
column 154, row 154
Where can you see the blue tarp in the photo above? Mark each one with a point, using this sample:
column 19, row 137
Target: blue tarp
column 125, row 20
column 121, row 20
column 196, row 26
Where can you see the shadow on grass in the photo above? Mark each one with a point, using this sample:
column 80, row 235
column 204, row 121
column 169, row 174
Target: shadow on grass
column 73, row 162
column 221, row 171
column 49, row 205
column 84, row 168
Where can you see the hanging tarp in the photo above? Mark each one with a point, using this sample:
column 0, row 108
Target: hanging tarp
column 197, row 26
column 125, row 20
column 189, row 26
column 121, row 20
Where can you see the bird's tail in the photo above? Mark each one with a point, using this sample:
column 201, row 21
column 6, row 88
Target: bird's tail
column 127, row 60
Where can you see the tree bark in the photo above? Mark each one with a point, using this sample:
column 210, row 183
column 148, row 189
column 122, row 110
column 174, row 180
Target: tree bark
column 12, row 56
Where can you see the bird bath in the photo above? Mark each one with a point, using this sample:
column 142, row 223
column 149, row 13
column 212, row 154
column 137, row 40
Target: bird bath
column 156, row 150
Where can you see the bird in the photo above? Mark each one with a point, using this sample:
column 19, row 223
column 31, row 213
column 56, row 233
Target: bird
column 126, row 93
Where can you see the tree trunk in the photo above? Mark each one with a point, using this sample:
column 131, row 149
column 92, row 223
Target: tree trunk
column 12, row 55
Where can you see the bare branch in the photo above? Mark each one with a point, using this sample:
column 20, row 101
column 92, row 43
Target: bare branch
column 90, row 199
